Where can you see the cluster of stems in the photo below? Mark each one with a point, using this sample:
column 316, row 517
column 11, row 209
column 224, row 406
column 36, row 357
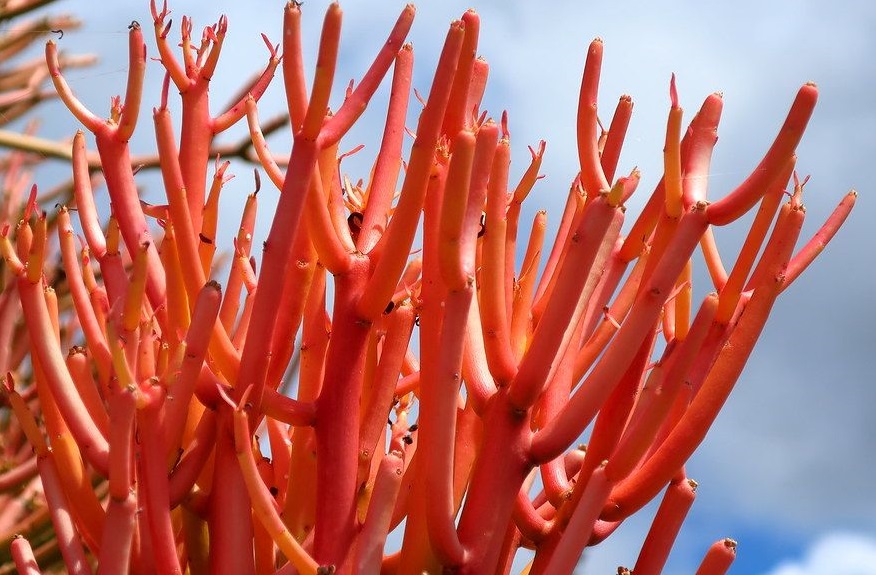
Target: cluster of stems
column 439, row 389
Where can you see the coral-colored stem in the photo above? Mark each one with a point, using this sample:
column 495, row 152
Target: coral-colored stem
column 667, row 523
column 634, row 492
column 193, row 460
column 134, row 89
column 395, row 243
column 494, row 282
column 819, row 241
column 293, row 66
column 197, row 338
column 337, row 429
column 458, row 115
column 545, row 284
column 479, row 382
column 438, row 425
column 262, row 501
column 399, row 326
column 731, row 291
column 614, row 141
column 377, row 523
column 254, row 361
column 566, row 554
column 592, row 176
column 152, row 472
column 660, row 390
column 582, row 407
column 231, row 534
column 752, row 189
column 355, row 104
column 62, row 519
column 23, row 557
column 382, row 186
column 490, row 499
column 578, row 265
column 92, row 443
column 91, row 329
column 238, row 110
column 718, row 558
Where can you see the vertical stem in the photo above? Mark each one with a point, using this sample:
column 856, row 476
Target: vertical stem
column 491, row 495
column 231, row 535
column 337, row 427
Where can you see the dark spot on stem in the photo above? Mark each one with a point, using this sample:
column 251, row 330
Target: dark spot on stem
column 354, row 221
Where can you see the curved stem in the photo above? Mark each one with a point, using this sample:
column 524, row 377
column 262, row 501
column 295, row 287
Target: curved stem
column 91, row 442
column 592, row 175
column 740, row 200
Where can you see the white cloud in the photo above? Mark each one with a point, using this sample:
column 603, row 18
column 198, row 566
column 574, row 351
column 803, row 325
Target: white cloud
column 846, row 553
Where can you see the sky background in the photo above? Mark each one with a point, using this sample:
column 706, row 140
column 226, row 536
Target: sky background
column 788, row 468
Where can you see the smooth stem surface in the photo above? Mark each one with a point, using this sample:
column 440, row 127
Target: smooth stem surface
column 337, row 428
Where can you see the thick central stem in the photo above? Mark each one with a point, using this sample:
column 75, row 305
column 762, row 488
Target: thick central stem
column 499, row 472
column 337, row 423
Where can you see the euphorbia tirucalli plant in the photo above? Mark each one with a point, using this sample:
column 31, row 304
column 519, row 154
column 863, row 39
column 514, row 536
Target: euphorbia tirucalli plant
column 447, row 376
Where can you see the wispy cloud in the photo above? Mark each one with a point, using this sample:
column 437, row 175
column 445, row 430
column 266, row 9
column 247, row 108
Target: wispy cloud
column 846, row 553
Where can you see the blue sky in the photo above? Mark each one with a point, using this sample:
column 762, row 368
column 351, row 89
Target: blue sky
column 787, row 470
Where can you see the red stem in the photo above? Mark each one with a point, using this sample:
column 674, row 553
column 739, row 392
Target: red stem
column 92, row 444
column 490, row 499
column 718, row 558
column 614, row 141
column 740, row 200
column 577, row 266
column 152, row 473
column 118, row 534
column 203, row 319
column 377, row 522
column 394, row 245
column 494, row 308
column 337, row 429
column 819, row 241
column 566, row 554
column 231, row 532
column 582, row 407
column 664, row 529
column 639, row 488
column 399, row 326
column 592, row 175
column 458, row 116
column 382, row 186
column 338, row 125
column 62, row 519
column 23, row 557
